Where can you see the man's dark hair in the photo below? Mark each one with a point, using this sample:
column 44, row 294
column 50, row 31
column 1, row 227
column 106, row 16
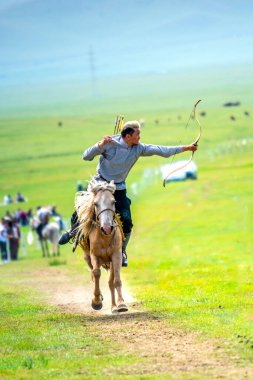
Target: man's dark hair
column 127, row 131
column 129, row 127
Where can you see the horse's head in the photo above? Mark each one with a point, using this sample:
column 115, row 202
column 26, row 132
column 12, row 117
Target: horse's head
column 104, row 204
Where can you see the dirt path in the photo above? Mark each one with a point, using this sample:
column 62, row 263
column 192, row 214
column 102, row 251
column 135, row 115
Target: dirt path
column 162, row 348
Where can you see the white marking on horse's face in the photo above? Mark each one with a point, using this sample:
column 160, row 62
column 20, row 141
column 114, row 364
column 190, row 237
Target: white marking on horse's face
column 105, row 201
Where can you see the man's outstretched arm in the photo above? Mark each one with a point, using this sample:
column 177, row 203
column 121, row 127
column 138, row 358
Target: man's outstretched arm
column 166, row 151
column 96, row 149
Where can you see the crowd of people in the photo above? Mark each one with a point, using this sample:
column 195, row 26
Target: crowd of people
column 11, row 225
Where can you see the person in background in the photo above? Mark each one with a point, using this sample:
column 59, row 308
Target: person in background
column 20, row 198
column 23, row 220
column 3, row 241
column 54, row 212
column 7, row 199
column 29, row 214
column 13, row 235
column 8, row 214
column 58, row 218
column 43, row 214
column 79, row 186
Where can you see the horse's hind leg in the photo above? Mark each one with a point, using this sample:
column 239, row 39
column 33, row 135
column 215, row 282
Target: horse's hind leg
column 116, row 260
column 112, row 289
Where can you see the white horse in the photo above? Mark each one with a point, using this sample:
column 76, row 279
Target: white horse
column 51, row 233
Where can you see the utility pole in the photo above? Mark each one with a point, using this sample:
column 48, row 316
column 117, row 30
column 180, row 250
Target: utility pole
column 93, row 76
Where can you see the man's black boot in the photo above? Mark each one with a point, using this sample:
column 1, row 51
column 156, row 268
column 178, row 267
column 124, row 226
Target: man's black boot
column 124, row 245
column 65, row 238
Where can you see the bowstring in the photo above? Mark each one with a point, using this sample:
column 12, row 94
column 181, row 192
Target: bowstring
column 180, row 141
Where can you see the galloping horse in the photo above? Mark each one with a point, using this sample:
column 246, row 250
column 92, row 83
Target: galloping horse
column 51, row 233
column 100, row 236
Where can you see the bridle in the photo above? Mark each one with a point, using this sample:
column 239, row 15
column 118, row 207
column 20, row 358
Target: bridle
column 97, row 222
column 106, row 209
column 114, row 223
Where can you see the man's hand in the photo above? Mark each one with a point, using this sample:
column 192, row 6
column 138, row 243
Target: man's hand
column 105, row 140
column 192, row 147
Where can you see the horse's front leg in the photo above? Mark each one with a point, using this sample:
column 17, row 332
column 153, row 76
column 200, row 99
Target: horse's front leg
column 47, row 249
column 116, row 261
column 42, row 247
column 88, row 261
column 112, row 289
column 96, row 272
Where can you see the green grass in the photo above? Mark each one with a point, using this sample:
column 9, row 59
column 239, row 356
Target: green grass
column 39, row 341
column 196, row 252
column 191, row 251
column 55, row 344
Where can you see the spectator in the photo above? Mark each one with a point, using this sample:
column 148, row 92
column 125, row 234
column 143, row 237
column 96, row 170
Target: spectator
column 20, row 198
column 79, row 186
column 54, row 211
column 58, row 218
column 7, row 199
column 8, row 215
column 16, row 214
column 13, row 234
column 3, row 241
column 29, row 214
column 23, row 220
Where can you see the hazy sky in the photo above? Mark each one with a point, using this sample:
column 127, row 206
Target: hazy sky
column 60, row 40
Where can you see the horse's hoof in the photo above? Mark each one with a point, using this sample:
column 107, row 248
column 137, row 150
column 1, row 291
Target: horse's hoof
column 121, row 308
column 97, row 306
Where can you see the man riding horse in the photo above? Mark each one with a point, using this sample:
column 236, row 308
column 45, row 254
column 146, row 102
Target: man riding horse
column 118, row 154
column 43, row 215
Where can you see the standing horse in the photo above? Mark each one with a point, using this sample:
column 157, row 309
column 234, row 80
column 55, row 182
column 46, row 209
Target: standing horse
column 100, row 236
column 51, row 233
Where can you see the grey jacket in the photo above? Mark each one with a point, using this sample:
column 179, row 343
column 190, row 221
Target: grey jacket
column 117, row 158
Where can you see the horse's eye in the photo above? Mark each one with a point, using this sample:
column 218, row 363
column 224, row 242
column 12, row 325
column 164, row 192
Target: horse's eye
column 95, row 204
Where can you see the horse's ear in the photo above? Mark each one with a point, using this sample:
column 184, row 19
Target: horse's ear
column 112, row 182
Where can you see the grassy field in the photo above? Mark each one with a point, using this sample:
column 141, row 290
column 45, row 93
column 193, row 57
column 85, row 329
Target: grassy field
column 190, row 257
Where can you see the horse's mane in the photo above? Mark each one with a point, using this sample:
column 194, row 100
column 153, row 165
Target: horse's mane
column 85, row 205
column 95, row 186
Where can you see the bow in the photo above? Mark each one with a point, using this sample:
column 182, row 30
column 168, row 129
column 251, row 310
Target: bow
column 193, row 115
